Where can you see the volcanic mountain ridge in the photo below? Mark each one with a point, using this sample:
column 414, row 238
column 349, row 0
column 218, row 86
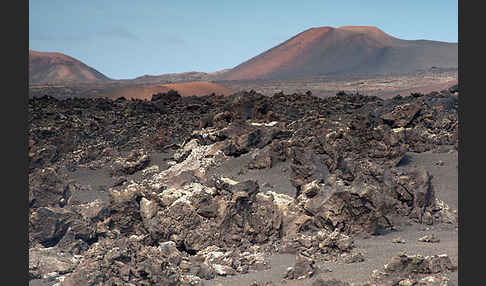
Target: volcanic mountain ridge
column 347, row 50
column 51, row 68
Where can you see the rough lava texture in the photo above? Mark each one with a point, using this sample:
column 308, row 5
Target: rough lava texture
column 178, row 222
column 406, row 269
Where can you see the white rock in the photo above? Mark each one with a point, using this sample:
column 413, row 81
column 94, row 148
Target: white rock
column 222, row 270
column 147, row 208
column 229, row 181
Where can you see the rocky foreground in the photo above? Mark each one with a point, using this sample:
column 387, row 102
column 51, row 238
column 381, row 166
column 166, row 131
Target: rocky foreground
column 170, row 191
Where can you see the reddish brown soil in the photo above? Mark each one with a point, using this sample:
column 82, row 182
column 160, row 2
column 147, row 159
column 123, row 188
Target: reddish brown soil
column 275, row 58
column 184, row 88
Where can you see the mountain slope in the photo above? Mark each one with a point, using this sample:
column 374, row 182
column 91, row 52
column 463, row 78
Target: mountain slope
column 46, row 67
column 343, row 51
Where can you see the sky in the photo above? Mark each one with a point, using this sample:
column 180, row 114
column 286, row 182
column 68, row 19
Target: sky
column 127, row 39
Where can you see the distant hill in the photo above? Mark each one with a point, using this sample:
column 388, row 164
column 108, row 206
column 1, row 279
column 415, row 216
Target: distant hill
column 348, row 50
column 177, row 77
column 52, row 68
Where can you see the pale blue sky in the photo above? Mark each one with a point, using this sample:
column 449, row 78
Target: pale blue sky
column 126, row 39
